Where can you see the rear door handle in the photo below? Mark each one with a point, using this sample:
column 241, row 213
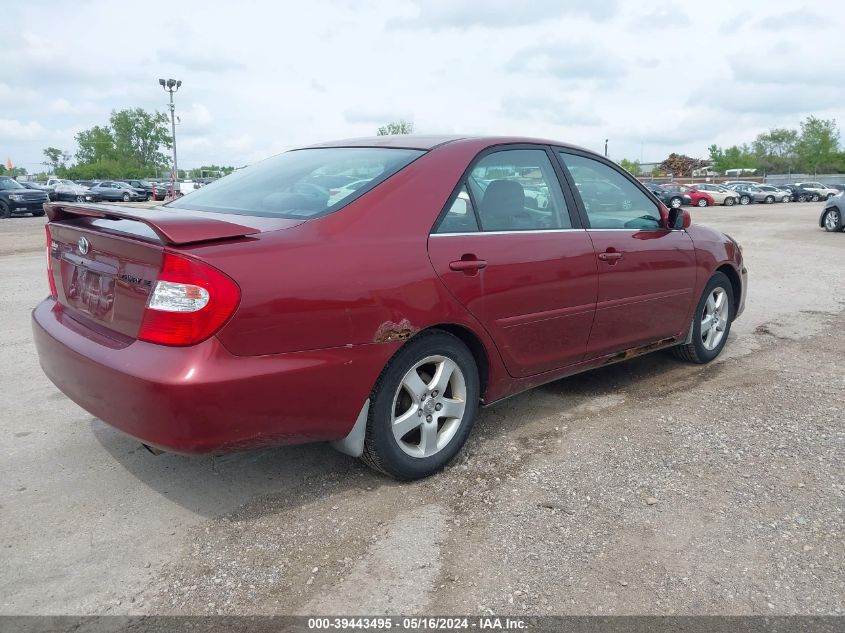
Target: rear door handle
column 468, row 265
column 610, row 257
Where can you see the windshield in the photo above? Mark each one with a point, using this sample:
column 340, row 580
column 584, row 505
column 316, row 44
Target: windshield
column 8, row 183
column 303, row 183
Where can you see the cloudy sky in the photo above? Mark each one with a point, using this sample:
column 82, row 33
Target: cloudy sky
column 260, row 77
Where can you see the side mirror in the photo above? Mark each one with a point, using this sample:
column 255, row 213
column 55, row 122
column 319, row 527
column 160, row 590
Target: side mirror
column 679, row 219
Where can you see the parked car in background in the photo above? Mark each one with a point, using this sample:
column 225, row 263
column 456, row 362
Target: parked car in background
column 747, row 193
column 671, row 199
column 831, row 219
column 29, row 184
column 115, row 190
column 68, row 190
column 87, row 183
column 800, row 194
column 150, row 190
column 191, row 339
column 733, row 183
column 823, row 190
column 720, row 194
column 698, row 198
column 774, row 194
column 16, row 198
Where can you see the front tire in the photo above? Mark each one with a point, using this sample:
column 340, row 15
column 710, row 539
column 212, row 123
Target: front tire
column 815, row 197
column 676, row 202
column 126, row 197
column 5, row 210
column 786, row 199
column 712, row 322
column 744, row 200
column 833, row 220
column 770, row 199
column 423, row 407
column 729, row 201
column 702, row 202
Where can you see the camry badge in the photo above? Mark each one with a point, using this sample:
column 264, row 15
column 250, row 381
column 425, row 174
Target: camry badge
column 83, row 246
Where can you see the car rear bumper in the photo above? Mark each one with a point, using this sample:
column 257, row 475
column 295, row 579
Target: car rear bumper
column 203, row 399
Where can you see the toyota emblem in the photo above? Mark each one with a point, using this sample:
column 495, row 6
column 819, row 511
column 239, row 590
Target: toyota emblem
column 83, row 246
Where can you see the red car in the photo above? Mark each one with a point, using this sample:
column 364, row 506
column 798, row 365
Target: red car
column 699, row 198
column 261, row 310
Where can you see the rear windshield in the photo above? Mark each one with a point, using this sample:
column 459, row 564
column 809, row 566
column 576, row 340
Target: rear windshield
column 302, row 183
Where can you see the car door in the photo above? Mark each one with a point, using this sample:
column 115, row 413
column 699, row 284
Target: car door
column 646, row 272
column 528, row 274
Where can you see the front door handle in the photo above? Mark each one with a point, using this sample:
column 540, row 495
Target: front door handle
column 468, row 266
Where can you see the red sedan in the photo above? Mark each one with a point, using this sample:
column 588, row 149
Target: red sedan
column 699, row 198
column 262, row 310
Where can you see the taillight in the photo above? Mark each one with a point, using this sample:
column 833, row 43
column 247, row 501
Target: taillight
column 190, row 302
column 53, row 292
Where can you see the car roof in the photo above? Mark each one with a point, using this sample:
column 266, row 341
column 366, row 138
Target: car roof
column 427, row 142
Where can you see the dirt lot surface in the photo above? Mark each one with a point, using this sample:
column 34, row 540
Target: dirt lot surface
column 647, row 487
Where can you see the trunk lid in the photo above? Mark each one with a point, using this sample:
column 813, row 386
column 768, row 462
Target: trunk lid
column 106, row 259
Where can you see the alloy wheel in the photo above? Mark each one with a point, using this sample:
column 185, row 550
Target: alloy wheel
column 429, row 406
column 831, row 220
column 714, row 318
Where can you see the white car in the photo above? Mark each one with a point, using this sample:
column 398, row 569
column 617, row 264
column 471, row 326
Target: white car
column 68, row 190
column 339, row 193
column 824, row 191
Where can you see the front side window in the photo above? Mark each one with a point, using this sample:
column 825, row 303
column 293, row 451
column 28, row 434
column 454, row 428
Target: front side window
column 300, row 184
column 518, row 190
column 610, row 199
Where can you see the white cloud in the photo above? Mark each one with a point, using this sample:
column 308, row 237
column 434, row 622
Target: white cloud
column 279, row 75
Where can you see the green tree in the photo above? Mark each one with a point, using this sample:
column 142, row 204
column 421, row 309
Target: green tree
column 139, row 136
column 96, row 145
column 55, row 159
column 775, row 150
column 818, row 145
column 633, row 166
column 734, row 157
column 396, row 127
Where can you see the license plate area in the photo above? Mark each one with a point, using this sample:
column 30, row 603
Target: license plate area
column 91, row 293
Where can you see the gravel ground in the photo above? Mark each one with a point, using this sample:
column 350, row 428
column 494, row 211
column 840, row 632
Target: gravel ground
column 650, row 487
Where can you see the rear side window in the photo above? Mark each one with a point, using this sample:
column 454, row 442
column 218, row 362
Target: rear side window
column 460, row 218
column 302, row 184
column 518, row 190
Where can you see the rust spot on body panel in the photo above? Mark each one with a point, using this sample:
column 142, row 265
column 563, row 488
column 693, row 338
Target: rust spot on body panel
column 389, row 331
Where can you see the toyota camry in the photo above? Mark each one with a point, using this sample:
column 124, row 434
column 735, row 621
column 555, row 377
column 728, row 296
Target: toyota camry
column 267, row 308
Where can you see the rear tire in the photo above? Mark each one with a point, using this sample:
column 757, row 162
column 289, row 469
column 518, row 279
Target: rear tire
column 815, row 197
column 407, row 438
column 709, row 336
column 744, row 200
column 786, row 199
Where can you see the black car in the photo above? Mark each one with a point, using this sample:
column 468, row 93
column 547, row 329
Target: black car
column 113, row 190
column 143, row 187
column 800, row 194
column 671, row 199
column 15, row 198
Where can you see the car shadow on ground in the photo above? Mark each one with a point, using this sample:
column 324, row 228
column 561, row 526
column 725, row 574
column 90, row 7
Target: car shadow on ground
column 292, row 476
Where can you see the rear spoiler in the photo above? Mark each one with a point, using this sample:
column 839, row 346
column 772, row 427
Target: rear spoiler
column 172, row 227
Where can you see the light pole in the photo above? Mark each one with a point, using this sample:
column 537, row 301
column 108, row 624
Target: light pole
column 171, row 86
column 605, row 143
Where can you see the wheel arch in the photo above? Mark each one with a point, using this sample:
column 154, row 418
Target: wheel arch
column 475, row 346
column 736, row 283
